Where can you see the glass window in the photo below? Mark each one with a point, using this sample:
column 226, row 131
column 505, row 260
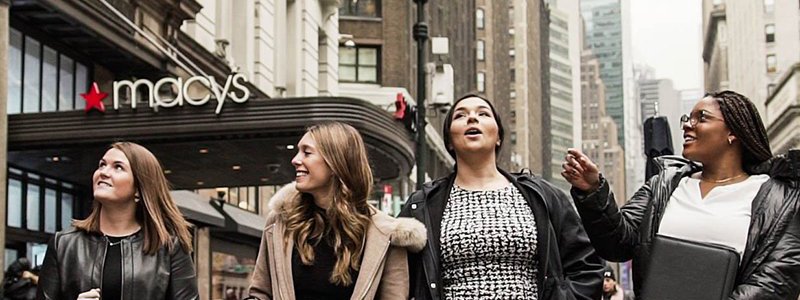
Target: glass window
column 233, row 196
column 49, row 78
column 481, row 82
column 347, row 62
column 11, row 256
column 367, row 64
column 769, row 5
column 769, row 31
column 359, row 64
column 252, row 205
column 67, row 201
column 66, row 84
column 50, row 210
column 772, row 63
column 33, row 207
column 481, row 53
column 361, row 8
column 40, row 79
column 37, row 253
column 480, row 17
column 81, row 84
column 14, row 72
column 14, row 216
column 229, row 274
column 31, row 93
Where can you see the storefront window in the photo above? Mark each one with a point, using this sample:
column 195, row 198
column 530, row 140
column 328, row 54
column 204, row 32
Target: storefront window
column 14, row 72
column 14, row 216
column 244, row 197
column 11, row 256
column 66, row 210
column 50, row 209
column 49, row 80
column 46, row 200
column 230, row 276
column 33, row 207
column 31, row 93
column 66, row 93
column 49, row 76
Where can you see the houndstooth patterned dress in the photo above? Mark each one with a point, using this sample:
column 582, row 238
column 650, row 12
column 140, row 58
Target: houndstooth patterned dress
column 488, row 244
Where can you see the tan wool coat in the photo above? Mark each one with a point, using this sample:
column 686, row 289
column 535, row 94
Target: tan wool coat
column 384, row 266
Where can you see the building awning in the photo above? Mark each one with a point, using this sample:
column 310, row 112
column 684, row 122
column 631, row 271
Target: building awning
column 197, row 208
column 244, row 222
column 198, row 148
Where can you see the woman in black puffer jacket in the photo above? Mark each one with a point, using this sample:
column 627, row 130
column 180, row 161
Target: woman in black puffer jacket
column 741, row 197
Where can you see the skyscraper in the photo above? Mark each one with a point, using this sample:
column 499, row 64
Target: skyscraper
column 604, row 37
column 565, row 89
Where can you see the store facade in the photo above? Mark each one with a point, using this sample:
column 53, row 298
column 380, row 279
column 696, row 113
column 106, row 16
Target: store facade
column 80, row 79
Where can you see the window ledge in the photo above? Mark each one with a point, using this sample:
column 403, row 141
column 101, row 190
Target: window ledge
column 360, row 18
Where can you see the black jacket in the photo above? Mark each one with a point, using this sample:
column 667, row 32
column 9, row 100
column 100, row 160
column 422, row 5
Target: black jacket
column 568, row 266
column 73, row 264
column 770, row 266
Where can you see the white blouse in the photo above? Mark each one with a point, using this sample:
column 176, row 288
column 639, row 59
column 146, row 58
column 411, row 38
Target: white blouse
column 723, row 217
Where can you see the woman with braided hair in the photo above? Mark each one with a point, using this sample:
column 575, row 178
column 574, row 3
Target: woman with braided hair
column 726, row 189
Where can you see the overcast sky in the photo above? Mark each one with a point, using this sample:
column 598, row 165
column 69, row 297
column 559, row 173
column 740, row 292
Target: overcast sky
column 666, row 35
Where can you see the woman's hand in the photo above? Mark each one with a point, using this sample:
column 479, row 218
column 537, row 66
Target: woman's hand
column 90, row 294
column 580, row 171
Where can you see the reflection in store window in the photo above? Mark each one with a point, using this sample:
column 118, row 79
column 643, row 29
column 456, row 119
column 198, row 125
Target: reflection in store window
column 230, row 275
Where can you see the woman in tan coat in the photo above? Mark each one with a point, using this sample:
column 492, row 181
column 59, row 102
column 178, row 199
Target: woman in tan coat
column 322, row 239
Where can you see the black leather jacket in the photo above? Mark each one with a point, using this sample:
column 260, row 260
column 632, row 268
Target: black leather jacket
column 74, row 261
column 568, row 266
column 770, row 266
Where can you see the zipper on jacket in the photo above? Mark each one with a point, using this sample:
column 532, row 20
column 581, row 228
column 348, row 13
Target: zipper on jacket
column 372, row 277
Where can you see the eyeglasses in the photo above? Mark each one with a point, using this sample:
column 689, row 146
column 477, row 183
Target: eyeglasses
column 700, row 116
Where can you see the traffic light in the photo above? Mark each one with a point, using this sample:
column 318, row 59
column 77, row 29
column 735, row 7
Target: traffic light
column 404, row 112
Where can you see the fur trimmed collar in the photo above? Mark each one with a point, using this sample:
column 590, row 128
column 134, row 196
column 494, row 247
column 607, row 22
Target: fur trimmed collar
column 403, row 232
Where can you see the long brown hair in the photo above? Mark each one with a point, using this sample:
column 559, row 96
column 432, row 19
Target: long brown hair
column 156, row 212
column 345, row 223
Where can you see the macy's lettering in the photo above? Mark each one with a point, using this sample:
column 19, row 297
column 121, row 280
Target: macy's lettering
column 235, row 81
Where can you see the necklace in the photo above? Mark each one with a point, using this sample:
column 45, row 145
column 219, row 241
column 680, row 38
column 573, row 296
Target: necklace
column 110, row 244
column 721, row 180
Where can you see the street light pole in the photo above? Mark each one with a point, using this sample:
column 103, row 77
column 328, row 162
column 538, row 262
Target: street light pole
column 421, row 36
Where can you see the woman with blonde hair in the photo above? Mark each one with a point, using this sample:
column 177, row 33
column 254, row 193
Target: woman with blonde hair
column 135, row 243
column 322, row 239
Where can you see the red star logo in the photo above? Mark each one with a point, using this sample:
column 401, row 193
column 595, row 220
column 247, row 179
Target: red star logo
column 94, row 99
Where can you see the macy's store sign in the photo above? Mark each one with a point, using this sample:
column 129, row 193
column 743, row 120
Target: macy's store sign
column 233, row 89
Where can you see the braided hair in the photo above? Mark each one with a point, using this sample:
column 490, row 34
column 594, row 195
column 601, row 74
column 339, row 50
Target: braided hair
column 742, row 117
